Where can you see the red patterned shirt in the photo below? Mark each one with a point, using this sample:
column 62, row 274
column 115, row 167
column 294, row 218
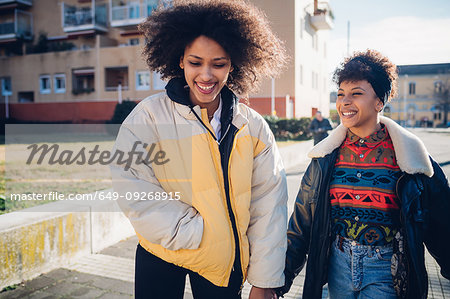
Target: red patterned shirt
column 364, row 205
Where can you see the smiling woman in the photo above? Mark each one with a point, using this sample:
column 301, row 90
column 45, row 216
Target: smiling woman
column 367, row 81
column 206, row 67
column 368, row 182
column 230, row 222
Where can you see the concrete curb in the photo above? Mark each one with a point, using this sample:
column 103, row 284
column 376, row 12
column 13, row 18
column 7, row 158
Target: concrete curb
column 39, row 239
column 431, row 130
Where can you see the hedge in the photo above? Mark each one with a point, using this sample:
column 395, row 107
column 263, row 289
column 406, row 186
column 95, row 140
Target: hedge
column 121, row 111
column 289, row 128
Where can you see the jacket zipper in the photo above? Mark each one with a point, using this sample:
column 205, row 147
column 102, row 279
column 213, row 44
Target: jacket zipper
column 231, row 214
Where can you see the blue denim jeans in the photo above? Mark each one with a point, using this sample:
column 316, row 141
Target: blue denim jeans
column 360, row 271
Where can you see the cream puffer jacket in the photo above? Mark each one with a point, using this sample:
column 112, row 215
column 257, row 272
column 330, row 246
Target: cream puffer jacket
column 192, row 227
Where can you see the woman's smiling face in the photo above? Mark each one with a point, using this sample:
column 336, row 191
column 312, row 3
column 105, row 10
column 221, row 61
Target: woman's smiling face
column 206, row 68
column 358, row 107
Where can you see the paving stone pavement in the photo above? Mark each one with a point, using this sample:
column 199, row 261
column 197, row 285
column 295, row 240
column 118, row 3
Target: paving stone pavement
column 109, row 274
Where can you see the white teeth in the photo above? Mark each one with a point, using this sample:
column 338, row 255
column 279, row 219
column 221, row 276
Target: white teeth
column 206, row 88
column 348, row 113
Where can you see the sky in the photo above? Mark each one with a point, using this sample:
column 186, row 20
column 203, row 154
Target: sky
column 407, row 31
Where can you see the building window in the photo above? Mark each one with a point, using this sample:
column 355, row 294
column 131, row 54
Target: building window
column 26, row 96
column 59, row 83
column 133, row 41
column 115, row 76
column 412, row 88
column 302, row 27
column 315, row 80
column 6, row 86
column 158, row 83
column 315, row 42
column 143, row 80
column 45, row 86
column 438, row 86
column 301, row 74
column 83, row 81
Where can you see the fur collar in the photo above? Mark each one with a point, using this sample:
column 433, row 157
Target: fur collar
column 412, row 156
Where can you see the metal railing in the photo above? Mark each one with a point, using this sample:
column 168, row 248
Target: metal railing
column 27, row 2
column 78, row 16
column 21, row 26
column 7, row 28
column 133, row 11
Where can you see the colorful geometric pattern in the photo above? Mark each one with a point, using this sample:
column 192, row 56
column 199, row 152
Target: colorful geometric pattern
column 364, row 206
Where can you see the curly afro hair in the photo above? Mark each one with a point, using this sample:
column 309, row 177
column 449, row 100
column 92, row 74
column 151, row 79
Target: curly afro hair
column 372, row 66
column 240, row 28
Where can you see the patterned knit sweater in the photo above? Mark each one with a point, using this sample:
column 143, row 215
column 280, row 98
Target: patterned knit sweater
column 364, row 206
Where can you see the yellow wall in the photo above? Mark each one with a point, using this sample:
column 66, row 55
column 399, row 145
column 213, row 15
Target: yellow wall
column 421, row 105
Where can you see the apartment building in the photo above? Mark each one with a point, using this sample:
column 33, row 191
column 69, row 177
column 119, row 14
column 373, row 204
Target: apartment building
column 303, row 88
column 73, row 60
column 420, row 99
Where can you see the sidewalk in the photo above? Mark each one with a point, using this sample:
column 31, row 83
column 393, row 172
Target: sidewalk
column 109, row 274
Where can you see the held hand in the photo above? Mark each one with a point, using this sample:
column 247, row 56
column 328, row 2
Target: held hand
column 260, row 293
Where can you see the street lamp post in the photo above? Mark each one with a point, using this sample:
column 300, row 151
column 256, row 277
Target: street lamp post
column 6, row 106
column 272, row 102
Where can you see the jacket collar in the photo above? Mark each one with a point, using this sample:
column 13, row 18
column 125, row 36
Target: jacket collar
column 411, row 154
column 178, row 91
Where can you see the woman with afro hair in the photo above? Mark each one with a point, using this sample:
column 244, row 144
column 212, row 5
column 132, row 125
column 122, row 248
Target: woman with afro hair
column 370, row 198
column 211, row 201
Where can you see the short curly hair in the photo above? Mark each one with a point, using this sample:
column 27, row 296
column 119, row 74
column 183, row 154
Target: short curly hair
column 239, row 27
column 372, row 66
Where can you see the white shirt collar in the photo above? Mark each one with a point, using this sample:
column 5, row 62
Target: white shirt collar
column 215, row 121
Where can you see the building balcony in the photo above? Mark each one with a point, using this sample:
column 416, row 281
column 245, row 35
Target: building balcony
column 86, row 18
column 16, row 3
column 130, row 14
column 16, row 26
column 322, row 18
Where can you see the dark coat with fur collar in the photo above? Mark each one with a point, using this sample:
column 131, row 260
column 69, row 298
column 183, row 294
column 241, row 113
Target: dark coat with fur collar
column 425, row 213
